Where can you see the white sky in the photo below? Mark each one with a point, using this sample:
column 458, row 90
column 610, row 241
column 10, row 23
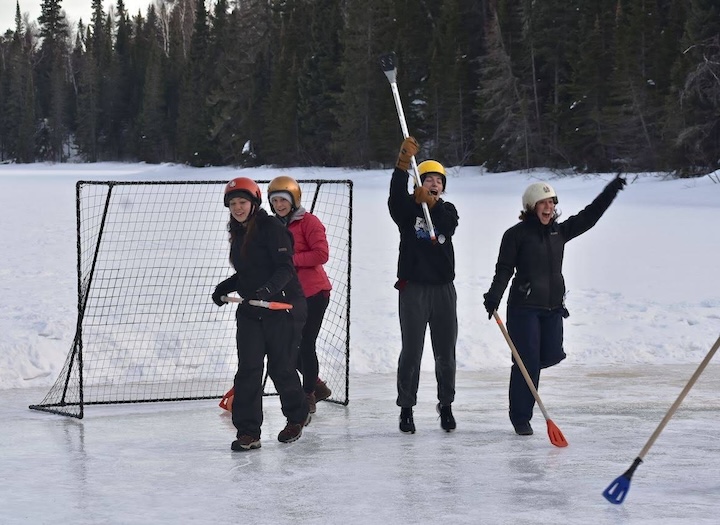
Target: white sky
column 74, row 10
column 644, row 304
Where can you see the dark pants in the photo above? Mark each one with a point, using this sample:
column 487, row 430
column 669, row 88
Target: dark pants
column 276, row 335
column 420, row 305
column 538, row 337
column 307, row 359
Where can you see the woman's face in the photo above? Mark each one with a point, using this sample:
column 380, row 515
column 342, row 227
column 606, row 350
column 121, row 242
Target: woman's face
column 545, row 210
column 240, row 209
column 434, row 184
column 281, row 206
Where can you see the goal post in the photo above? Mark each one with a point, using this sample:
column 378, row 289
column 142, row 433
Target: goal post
column 149, row 255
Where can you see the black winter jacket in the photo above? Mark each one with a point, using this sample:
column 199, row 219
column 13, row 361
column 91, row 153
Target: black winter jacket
column 265, row 263
column 421, row 260
column 534, row 252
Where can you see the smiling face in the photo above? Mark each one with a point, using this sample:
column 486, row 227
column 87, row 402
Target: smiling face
column 281, row 205
column 545, row 210
column 240, row 208
column 434, row 183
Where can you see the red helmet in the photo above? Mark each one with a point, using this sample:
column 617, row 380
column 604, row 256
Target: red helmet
column 242, row 187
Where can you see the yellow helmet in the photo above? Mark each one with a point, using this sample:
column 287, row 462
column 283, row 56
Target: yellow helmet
column 287, row 185
column 427, row 167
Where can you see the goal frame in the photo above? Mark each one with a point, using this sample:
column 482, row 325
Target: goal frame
column 63, row 400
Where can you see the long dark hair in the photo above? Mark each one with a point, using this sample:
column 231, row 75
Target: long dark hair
column 529, row 213
column 235, row 228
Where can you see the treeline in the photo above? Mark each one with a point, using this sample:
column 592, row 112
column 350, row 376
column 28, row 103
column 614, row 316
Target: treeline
column 583, row 85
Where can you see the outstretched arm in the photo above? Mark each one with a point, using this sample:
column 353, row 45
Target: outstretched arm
column 587, row 218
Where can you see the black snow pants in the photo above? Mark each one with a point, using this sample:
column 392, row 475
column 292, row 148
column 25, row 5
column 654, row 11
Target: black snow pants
column 277, row 335
column 307, row 359
column 538, row 337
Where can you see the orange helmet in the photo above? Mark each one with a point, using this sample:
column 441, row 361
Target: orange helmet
column 242, row 187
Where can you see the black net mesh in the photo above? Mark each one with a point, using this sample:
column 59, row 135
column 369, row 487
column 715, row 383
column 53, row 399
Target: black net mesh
column 149, row 257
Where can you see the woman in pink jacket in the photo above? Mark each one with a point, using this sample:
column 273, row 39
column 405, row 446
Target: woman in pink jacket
column 311, row 252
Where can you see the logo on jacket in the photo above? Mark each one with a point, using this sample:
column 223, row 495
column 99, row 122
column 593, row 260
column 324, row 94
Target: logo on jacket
column 423, row 232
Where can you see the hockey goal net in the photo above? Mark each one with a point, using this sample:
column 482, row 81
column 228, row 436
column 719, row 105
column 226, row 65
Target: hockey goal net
column 149, row 255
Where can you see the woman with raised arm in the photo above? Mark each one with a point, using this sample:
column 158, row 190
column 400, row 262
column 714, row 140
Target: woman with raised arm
column 426, row 275
column 533, row 251
column 261, row 251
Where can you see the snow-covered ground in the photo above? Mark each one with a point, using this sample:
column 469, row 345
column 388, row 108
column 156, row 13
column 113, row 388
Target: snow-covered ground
column 644, row 300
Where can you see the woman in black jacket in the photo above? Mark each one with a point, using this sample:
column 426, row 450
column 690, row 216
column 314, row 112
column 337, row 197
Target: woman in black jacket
column 261, row 250
column 533, row 250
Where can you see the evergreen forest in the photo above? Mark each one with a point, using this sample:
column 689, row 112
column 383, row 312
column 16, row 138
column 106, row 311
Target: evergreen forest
column 571, row 85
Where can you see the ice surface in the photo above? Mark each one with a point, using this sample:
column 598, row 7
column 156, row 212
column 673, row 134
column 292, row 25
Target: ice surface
column 171, row 462
column 645, row 309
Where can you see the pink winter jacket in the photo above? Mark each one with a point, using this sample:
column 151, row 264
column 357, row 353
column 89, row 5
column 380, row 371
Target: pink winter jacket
column 311, row 252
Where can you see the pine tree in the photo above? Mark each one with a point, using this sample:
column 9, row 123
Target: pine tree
column 150, row 125
column 504, row 106
column 694, row 115
column 582, row 134
column 363, row 112
column 236, row 99
column 88, row 106
column 319, row 84
column 194, row 121
column 52, row 80
column 124, row 106
column 18, row 95
column 451, row 88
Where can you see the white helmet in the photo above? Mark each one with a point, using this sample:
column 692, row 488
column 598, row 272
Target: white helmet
column 537, row 192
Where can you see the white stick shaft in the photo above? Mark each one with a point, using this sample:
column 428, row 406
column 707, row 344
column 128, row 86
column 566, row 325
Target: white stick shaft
column 413, row 162
column 270, row 305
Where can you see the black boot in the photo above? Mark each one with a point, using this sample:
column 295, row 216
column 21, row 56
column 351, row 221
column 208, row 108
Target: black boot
column 523, row 429
column 447, row 421
column 407, row 424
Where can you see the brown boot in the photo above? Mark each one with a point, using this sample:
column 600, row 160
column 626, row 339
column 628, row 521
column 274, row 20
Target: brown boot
column 245, row 442
column 322, row 391
column 292, row 431
column 311, row 402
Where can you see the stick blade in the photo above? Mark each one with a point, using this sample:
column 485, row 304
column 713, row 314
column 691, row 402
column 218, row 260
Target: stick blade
column 556, row 437
column 617, row 490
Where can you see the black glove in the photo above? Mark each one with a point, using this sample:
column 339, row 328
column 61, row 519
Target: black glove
column 491, row 304
column 216, row 297
column 224, row 288
column 262, row 294
column 618, row 183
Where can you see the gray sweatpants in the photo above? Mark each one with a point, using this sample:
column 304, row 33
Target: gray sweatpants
column 421, row 305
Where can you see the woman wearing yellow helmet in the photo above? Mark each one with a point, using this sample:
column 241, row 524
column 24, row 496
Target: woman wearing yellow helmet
column 426, row 273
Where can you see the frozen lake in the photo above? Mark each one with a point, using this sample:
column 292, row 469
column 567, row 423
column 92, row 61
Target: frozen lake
column 171, row 462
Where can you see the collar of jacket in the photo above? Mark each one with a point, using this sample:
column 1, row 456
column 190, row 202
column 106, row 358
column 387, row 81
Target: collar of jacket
column 297, row 215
